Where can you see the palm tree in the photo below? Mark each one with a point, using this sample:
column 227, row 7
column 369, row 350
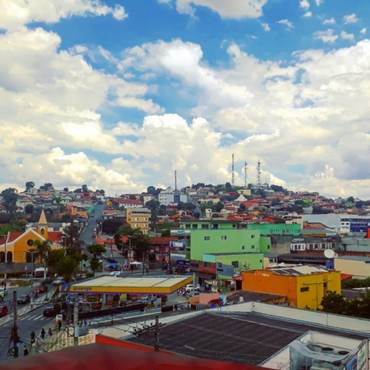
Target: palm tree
column 43, row 248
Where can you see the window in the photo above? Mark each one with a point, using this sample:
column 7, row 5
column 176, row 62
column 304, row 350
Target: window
column 268, row 247
column 252, row 236
column 195, row 226
column 234, row 226
column 223, row 237
column 30, row 242
column 187, row 226
column 325, row 285
column 305, row 289
column 204, row 226
column 235, row 263
column 252, row 246
column 207, row 238
column 215, row 226
column 243, row 247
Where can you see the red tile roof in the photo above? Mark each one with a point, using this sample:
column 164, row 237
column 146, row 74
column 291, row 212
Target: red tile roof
column 55, row 236
column 14, row 235
column 162, row 240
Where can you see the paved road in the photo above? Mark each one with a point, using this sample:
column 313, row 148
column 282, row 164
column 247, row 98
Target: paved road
column 31, row 321
column 87, row 235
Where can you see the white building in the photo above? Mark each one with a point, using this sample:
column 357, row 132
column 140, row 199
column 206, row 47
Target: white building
column 170, row 196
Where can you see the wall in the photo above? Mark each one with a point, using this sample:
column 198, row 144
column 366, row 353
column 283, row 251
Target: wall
column 318, row 285
column 241, row 240
column 276, row 229
column 247, row 261
column 352, row 267
column 263, row 281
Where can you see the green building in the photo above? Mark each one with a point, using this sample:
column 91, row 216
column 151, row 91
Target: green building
column 276, row 229
column 227, row 241
column 211, row 225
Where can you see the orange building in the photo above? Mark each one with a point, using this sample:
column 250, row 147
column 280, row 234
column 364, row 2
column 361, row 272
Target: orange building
column 303, row 286
column 19, row 247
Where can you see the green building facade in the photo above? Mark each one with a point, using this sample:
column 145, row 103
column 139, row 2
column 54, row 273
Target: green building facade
column 225, row 241
column 276, row 229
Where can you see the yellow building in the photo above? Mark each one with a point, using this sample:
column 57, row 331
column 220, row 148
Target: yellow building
column 138, row 218
column 303, row 286
column 19, row 247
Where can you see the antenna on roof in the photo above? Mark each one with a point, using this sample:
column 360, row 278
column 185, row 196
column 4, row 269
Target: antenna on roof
column 245, row 173
column 232, row 170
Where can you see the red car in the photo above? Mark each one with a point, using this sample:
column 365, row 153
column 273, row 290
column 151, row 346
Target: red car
column 41, row 289
column 3, row 310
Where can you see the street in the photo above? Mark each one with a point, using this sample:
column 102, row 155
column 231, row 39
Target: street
column 87, row 234
column 31, row 321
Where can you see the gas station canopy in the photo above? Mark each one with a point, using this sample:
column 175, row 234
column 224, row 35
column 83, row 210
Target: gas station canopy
column 132, row 285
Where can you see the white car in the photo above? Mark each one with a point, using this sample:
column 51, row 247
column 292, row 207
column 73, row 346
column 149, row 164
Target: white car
column 190, row 288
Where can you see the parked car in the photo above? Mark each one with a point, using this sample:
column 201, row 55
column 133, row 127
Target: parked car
column 52, row 310
column 3, row 310
column 190, row 288
column 41, row 289
column 24, row 299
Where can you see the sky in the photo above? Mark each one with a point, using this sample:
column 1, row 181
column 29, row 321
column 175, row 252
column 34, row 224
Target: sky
column 118, row 94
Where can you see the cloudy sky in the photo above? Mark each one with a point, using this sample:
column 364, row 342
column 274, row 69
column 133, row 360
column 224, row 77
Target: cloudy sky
column 120, row 93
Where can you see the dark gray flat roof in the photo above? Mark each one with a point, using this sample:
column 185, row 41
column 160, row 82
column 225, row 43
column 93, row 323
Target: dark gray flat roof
column 241, row 337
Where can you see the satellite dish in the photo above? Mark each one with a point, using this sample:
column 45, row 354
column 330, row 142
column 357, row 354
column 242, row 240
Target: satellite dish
column 329, row 253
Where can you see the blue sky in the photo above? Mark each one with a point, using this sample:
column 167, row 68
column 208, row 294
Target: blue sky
column 119, row 93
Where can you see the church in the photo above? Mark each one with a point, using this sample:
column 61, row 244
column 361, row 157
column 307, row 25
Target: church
column 19, row 247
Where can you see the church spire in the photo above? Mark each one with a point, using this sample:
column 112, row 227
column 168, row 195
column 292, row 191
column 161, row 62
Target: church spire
column 42, row 219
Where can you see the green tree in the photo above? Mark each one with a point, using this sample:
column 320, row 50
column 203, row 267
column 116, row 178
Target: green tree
column 334, row 303
column 43, row 248
column 96, row 249
column 67, row 267
column 95, row 264
column 125, row 229
column 10, row 197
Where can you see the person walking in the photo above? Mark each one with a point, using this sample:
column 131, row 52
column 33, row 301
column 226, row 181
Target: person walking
column 50, row 332
column 33, row 337
column 42, row 334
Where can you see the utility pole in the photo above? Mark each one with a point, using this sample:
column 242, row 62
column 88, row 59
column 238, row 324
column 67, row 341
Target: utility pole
column 232, row 170
column 156, row 334
column 152, row 329
column 14, row 338
column 75, row 322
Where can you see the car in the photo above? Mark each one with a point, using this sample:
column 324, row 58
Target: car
column 41, row 289
column 52, row 310
column 3, row 310
column 190, row 288
column 24, row 299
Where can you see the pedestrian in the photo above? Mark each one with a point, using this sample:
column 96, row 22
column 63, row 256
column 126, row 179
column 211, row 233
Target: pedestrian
column 59, row 325
column 50, row 332
column 42, row 334
column 33, row 337
column 25, row 351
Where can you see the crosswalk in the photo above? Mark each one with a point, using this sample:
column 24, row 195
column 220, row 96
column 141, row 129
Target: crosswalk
column 34, row 317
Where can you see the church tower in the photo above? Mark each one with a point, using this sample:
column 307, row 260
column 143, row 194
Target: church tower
column 42, row 225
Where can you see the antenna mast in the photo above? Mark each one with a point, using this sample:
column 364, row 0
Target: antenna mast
column 259, row 174
column 232, row 170
column 175, row 180
column 245, row 174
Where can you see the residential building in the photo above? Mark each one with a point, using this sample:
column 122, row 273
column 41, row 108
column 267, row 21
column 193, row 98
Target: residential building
column 241, row 241
column 130, row 203
column 304, row 286
column 170, row 196
column 138, row 218
column 312, row 244
column 354, row 224
column 276, row 229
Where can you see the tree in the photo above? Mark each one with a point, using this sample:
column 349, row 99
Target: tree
column 53, row 259
column 151, row 190
column 67, row 267
column 125, row 229
column 333, row 302
column 139, row 243
column 10, row 198
column 95, row 264
column 43, row 248
column 217, row 207
column 28, row 209
column 29, row 186
column 96, row 250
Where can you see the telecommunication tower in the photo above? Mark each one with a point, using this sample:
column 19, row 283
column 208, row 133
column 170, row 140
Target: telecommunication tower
column 259, row 174
column 232, row 170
